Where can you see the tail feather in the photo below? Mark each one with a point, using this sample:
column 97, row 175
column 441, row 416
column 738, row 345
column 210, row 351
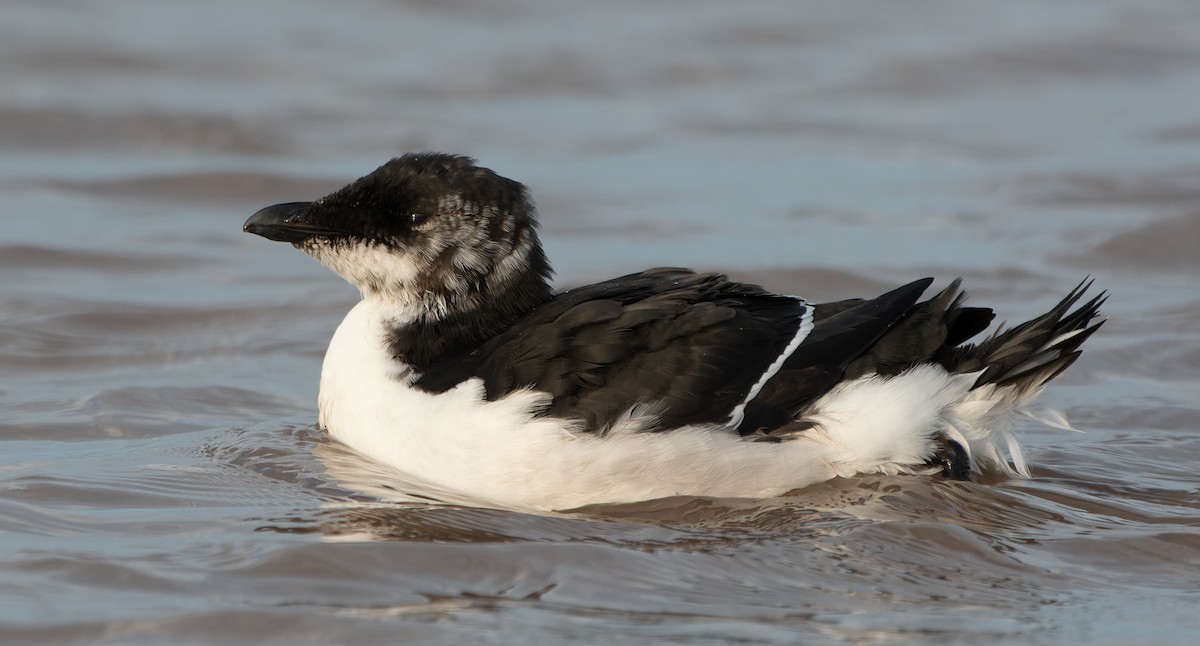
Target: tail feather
column 1027, row 356
column 922, row 392
column 1010, row 368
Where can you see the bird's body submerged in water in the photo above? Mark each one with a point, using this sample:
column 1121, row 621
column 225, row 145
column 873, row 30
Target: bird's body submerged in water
column 461, row 367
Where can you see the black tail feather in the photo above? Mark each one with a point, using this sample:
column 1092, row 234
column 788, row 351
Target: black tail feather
column 1034, row 352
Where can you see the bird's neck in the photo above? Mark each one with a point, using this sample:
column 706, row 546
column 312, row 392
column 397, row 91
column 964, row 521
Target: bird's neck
column 456, row 323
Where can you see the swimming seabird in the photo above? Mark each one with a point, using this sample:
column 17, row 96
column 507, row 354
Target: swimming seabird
column 461, row 367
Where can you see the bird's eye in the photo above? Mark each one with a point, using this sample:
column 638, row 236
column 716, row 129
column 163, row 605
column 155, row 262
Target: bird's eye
column 417, row 218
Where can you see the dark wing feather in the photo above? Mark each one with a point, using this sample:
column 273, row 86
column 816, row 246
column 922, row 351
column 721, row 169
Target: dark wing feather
column 926, row 329
column 692, row 344
column 849, row 336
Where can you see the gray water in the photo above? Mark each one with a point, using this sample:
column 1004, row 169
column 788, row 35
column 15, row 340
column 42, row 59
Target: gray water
column 161, row 476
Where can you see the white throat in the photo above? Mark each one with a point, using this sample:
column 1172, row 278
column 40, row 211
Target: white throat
column 377, row 271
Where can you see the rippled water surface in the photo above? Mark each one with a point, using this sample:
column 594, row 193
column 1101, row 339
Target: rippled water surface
column 161, row 476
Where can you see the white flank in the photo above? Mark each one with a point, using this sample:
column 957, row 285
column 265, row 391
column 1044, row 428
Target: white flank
column 502, row 454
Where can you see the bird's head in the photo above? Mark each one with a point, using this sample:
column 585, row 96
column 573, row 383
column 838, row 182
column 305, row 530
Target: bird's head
column 429, row 233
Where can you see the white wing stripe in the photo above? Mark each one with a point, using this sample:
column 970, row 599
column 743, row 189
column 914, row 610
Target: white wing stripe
column 806, row 326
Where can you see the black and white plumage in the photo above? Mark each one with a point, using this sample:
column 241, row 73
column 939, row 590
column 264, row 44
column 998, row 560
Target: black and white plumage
column 461, row 367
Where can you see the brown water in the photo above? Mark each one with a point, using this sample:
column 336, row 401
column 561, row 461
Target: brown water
column 161, row 479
